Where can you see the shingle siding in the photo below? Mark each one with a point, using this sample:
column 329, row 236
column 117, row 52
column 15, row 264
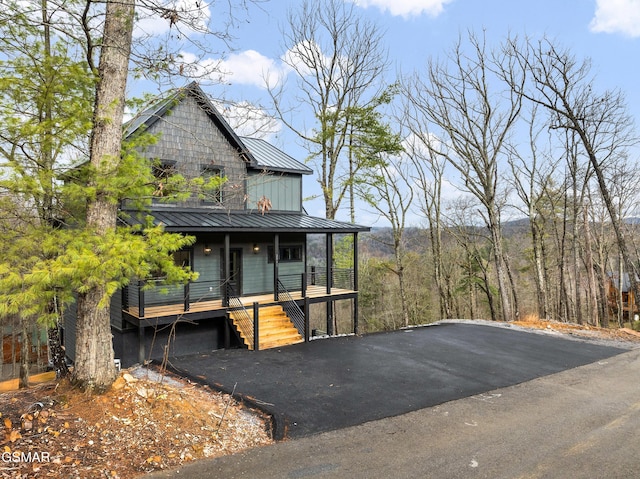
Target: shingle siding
column 188, row 136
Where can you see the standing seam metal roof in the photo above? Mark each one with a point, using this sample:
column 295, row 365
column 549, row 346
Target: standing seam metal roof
column 209, row 221
column 271, row 158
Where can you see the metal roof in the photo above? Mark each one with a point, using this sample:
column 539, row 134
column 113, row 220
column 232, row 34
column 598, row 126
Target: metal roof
column 198, row 220
column 273, row 159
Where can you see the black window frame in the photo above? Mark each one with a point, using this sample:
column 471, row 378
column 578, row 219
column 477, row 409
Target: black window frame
column 217, row 170
column 288, row 253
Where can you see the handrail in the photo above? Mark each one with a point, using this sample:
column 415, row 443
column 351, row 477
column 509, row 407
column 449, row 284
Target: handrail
column 292, row 309
column 244, row 318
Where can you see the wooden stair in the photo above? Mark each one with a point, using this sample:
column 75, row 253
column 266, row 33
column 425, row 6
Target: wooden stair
column 275, row 328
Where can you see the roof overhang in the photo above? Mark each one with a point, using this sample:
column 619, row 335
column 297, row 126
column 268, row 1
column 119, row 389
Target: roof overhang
column 202, row 221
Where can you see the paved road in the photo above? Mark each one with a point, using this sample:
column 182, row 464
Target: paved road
column 331, row 384
column 580, row 423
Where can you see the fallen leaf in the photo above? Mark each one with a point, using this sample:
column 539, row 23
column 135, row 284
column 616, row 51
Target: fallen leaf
column 14, row 435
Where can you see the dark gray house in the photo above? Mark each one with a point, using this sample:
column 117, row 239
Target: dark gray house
column 256, row 284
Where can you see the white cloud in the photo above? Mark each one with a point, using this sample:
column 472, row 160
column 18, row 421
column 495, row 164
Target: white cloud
column 406, row 8
column 245, row 68
column 252, row 68
column 617, row 16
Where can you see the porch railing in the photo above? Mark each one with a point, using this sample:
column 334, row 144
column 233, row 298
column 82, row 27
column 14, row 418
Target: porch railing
column 142, row 295
column 292, row 309
column 342, row 278
column 155, row 292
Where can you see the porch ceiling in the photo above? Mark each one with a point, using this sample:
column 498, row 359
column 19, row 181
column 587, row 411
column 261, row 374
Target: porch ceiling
column 193, row 220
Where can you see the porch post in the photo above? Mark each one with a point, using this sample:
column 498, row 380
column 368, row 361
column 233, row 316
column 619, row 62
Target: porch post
column 256, row 326
column 355, row 283
column 276, row 261
column 306, row 319
column 140, row 299
column 227, row 269
column 141, row 352
column 329, row 260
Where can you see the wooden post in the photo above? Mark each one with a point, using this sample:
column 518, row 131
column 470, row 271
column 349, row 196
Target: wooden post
column 329, row 259
column 256, row 328
column 140, row 300
column 276, row 261
column 227, row 270
column 141, row 352
column 186, row 297
column 303, row 289
column 356, row 327
column 306, row 320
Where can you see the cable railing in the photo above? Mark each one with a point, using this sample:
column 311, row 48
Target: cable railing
column 342, row 278
column 245, row 322
column 292, row 309
column 155, row 292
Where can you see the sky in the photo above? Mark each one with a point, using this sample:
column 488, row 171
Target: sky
column 606, row 31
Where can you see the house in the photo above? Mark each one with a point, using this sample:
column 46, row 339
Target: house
column 257, row 283
column 620, row 296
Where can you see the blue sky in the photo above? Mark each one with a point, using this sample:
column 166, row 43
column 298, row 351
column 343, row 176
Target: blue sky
column 607, row 31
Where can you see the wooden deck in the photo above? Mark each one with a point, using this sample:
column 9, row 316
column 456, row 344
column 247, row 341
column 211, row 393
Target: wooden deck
column 314, row 293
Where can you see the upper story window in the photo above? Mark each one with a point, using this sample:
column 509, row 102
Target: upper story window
column 213, row 179
column 163, row 170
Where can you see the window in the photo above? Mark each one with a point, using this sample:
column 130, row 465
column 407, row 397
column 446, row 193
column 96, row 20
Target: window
column 163, row 170
column 288, row 254
column 213, row 179
column 182, row 258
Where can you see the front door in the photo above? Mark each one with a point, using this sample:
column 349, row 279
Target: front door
column 235, row 269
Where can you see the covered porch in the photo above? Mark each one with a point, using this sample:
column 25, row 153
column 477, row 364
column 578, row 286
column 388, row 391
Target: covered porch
column 249, row 266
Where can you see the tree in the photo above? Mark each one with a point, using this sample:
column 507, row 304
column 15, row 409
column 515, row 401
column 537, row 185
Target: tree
column 429, row 171
column 41, row 129
column 338, row 60
column 532, row 176
column 459, row 100
column 561, row 84
column 92, row 257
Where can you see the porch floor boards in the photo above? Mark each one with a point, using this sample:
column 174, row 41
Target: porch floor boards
column 313, row 292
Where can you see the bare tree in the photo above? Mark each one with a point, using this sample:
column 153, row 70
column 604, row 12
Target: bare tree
column 531, row 175
column 339, row 60
column 389, row 191
column 429, row 175
column 564, row 86
column 474, row 122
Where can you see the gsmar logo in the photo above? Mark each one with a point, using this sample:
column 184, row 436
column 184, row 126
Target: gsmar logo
column 31, row 456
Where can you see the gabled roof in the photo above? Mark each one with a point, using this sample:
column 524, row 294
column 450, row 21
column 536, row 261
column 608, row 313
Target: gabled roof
column 273, row 159
column 186, row 220
column 257, row 152
column 154, row 113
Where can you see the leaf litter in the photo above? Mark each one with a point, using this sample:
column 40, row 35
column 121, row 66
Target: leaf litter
column 145, row 422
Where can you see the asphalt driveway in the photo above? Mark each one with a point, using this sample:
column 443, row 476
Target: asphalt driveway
column 334, row 383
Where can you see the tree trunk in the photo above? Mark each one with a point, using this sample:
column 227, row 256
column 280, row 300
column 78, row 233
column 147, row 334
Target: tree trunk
column 26, row 325
column 94, row 348
column 501, row 272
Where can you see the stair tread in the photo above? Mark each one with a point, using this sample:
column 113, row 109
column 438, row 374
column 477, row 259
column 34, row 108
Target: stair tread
column 276, row 329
